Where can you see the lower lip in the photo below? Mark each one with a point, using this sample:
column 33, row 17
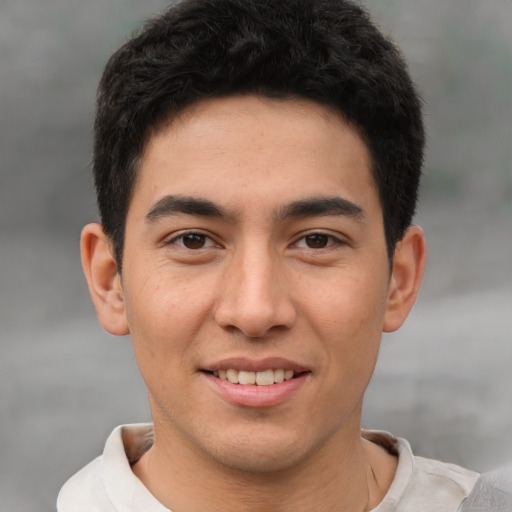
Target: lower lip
column 256, row 396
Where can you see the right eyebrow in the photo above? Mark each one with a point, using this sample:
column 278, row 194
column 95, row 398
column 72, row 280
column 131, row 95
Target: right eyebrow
column 175, row 205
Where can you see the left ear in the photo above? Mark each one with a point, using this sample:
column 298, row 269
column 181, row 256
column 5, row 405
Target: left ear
column 408, row 268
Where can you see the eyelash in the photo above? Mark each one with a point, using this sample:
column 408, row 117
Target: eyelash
column 179, row 240
column 301, row 242
column 330, row 239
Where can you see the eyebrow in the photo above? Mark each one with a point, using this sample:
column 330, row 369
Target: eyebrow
column 175, row 205
column 320, row 206
column 309, row 207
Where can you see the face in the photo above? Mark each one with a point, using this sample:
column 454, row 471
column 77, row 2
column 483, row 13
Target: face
column 255, row 250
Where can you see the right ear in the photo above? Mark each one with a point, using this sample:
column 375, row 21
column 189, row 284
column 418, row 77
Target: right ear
column 104, row 281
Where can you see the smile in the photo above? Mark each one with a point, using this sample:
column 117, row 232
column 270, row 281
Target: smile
column 256, row 388
column 262, row 378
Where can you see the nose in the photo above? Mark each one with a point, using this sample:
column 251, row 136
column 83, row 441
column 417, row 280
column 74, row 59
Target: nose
column 254, row 297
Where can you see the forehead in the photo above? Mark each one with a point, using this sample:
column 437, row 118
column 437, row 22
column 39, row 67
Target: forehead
column 248, row 146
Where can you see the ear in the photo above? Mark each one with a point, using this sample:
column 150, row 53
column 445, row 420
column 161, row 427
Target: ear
column 104, row 281
column 408, row 268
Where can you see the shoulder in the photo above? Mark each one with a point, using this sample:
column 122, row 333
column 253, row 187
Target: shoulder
column 492, row 492
column 440, row 483
column 108, row 484
column 422, row 484
column 85, row 491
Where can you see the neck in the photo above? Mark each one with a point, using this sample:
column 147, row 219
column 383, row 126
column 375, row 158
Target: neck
column 346, row 475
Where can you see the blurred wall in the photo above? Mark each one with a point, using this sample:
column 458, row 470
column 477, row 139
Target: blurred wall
column 443, row 381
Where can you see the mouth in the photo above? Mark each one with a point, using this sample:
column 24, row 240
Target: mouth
column 253, row 378
column 256, row 384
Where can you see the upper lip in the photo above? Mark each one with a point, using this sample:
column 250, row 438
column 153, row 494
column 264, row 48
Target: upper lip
column 256, row 365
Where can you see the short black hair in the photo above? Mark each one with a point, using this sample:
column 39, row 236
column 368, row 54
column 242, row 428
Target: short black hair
column 327, row 51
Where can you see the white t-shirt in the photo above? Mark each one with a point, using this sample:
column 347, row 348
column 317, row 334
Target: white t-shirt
column 108, row 484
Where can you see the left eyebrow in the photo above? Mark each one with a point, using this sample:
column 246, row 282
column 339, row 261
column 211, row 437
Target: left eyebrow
column 321, row 206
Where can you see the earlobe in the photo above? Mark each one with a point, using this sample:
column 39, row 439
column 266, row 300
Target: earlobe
column 408, row 268
column 104, row 281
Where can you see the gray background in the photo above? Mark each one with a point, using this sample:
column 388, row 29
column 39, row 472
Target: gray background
column 443, row 381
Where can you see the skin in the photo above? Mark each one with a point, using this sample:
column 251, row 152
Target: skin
column 256, row 282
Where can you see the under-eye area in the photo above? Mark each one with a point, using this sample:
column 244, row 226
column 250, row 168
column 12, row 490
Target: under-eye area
column 261, row 378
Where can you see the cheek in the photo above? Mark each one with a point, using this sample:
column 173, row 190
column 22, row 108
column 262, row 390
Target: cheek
column 347, row 316
column 347, row 305
column 164, row 314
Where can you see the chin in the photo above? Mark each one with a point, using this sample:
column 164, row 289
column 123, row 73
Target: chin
column 258, row 461
column 257, row 453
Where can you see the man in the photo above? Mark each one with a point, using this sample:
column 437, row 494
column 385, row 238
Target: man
column 257, row 164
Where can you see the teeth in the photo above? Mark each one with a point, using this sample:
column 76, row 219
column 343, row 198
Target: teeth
column 264, row 378
column 246, row 377
column 232, row 376
column 279, row 375
column 288, row 374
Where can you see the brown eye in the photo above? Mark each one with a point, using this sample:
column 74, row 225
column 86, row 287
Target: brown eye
column 317, row 241
column 194, row 241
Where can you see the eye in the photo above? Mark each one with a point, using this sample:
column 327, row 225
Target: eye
column 193, row 241
column 316, row 241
